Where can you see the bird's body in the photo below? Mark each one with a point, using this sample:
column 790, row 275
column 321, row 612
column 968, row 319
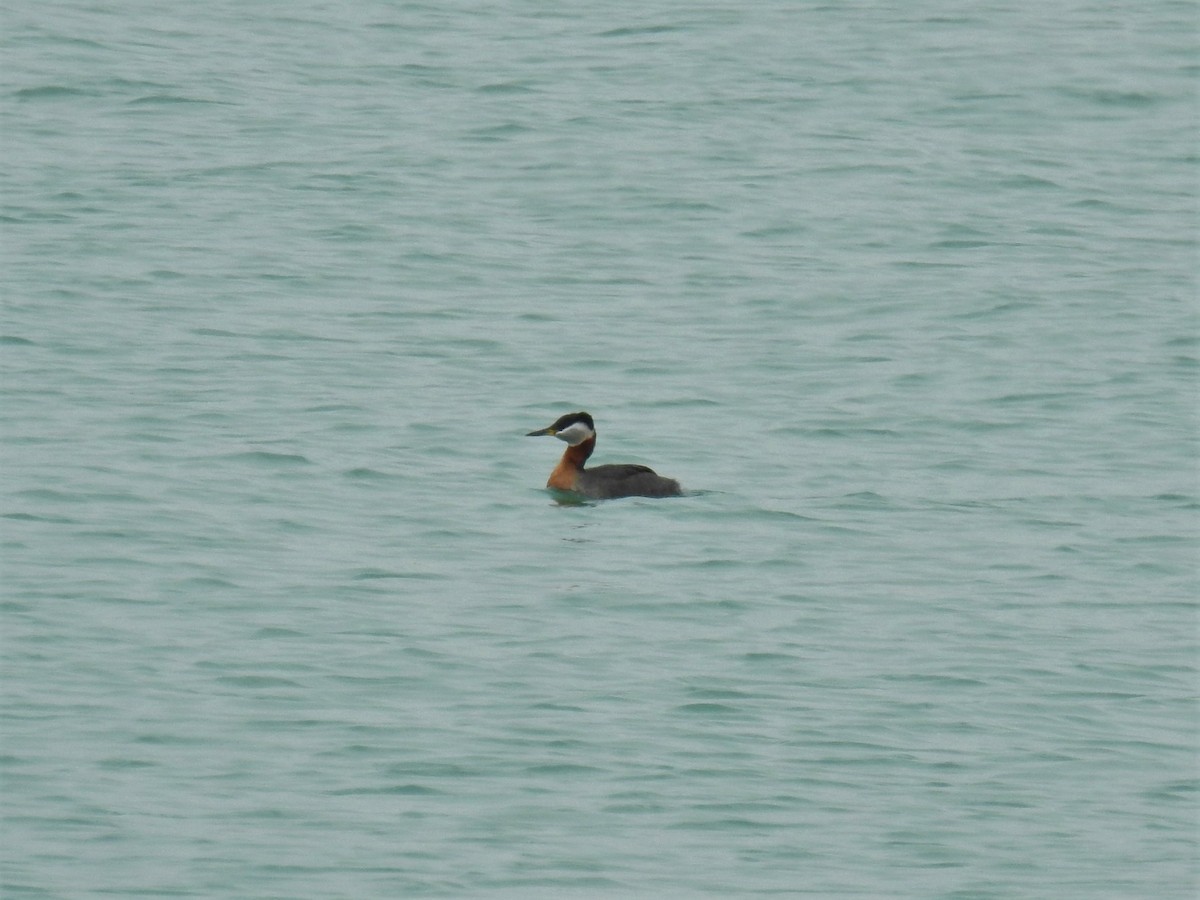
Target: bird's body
column 601, row 482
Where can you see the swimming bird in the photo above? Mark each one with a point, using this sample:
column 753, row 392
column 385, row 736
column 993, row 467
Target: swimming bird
column 603, row 482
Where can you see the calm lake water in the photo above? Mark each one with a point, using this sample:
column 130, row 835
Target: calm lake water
column 904, row 294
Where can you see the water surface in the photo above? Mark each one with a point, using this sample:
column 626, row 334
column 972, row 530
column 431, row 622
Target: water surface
column 905, row 298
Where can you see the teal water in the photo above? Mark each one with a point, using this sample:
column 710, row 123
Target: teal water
column 903, row 293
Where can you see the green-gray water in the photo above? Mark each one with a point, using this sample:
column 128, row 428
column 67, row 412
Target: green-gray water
column 902, row 292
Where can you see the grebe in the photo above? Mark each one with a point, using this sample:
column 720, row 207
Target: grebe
column 602, row 482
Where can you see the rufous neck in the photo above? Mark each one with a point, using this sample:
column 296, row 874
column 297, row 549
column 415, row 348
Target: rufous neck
column 576, row 456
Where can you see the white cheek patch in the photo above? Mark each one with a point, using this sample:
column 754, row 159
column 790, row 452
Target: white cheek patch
column 575, row 434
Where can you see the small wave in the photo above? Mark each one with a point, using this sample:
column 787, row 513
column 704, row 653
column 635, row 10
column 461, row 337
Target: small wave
column 635, row 30
column 170, row 99
column 386, row 574
column 49, row 92
column 708, row 709
column 266, row 457
column 30, row 517
column 364, row 473
column 505, row 87
column 257, row 681
column 395, row 789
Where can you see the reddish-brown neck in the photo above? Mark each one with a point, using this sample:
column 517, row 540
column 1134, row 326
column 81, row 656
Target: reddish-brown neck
column 576, row 456
column 568, row 468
